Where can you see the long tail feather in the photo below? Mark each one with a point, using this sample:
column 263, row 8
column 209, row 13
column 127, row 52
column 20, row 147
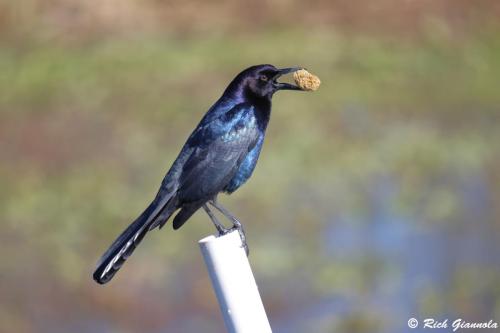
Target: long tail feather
column 113, row 259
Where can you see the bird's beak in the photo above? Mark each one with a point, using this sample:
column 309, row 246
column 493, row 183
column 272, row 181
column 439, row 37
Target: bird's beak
column 282, row 85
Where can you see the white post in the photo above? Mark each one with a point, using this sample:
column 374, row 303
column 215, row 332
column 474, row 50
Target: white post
column 234, row 284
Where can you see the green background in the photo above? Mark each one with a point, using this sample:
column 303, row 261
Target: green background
column 375, row 199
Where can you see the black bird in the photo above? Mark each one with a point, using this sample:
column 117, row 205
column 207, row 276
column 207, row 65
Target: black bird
column 219, row 156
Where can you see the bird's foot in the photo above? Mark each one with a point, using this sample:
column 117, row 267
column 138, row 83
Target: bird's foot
column 237, row 226
column 222, row 231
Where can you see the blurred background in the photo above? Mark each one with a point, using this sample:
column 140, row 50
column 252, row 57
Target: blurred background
column 376, row 198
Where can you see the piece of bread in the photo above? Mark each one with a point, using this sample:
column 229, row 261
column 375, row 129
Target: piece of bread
column 306, row 81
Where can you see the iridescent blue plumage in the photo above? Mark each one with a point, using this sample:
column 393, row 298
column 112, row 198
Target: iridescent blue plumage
column 246, row 168
column 219, row 156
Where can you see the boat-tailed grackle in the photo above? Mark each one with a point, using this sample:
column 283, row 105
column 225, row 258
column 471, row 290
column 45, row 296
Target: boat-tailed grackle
column 219, row 156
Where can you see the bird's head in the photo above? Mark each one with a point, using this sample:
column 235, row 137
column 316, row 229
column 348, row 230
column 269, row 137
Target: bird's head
column 261, row 81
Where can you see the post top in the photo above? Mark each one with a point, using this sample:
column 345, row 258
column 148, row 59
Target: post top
column 232, row 237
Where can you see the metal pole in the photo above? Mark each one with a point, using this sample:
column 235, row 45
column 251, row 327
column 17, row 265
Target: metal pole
column 234, row 284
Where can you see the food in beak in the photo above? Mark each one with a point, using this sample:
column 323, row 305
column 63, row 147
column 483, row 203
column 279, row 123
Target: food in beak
column 306, row 81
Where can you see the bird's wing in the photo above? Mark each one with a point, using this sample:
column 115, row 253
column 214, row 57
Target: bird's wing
column 211, row 154
column 216, row 122
column 218, row 149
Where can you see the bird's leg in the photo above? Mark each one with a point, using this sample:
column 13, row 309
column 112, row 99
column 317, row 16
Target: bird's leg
column 236, row 223
column 218, row 225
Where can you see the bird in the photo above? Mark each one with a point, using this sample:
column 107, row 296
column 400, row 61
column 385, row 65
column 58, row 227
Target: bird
column 219, row 156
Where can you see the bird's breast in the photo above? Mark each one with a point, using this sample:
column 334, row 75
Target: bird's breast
column 245, row 130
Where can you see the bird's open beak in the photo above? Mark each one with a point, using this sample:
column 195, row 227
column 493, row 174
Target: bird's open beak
column 282, row 85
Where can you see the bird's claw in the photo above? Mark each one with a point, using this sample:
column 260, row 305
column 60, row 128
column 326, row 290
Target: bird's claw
column 220, row 227
column 245, row 247
column 223, row 231
column 243, row 237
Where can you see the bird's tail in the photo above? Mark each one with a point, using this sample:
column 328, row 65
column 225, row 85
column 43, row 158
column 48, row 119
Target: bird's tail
column 113, row 259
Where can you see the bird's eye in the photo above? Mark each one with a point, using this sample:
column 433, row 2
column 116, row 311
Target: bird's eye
column 263, row 78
